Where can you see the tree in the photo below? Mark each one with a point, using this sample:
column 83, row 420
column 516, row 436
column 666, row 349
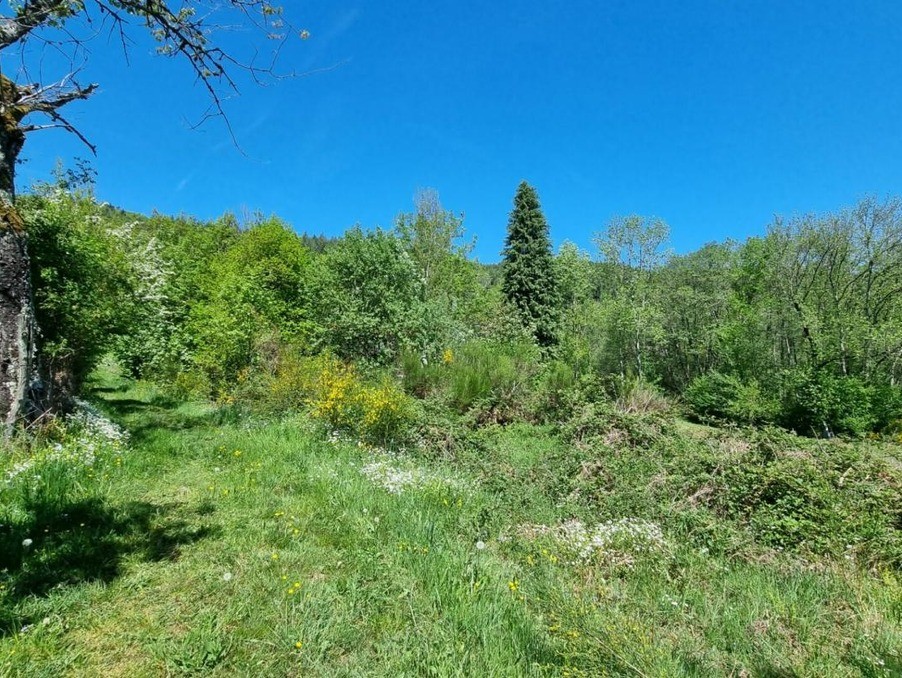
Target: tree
column 575, row 275
column 634, row 248
column 429, row 236
column 528, row 275
column 63, row 27
column 368, row 297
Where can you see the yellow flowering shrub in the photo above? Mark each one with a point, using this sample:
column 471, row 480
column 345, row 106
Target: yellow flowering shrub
column 386, row 410
column 335, row 393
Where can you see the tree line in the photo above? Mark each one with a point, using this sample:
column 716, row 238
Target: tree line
column 800, row 327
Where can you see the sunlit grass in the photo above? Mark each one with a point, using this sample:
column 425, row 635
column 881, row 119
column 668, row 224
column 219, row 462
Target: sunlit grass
column 263, row 549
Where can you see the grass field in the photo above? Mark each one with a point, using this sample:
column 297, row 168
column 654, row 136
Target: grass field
column 218, row 547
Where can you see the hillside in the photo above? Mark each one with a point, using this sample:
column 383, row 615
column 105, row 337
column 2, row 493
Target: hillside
column 208, row 543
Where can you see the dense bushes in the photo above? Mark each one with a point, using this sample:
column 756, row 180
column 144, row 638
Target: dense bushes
column 720, row 396
column 807, row 401
column 338, row 395
column 748, row 334
column 819, row 402
column 494, row 381
column 740, row 492
column 82, row 282
column 368, row 298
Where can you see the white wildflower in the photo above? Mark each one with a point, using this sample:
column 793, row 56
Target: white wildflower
column 619, row 541
column 395, row 474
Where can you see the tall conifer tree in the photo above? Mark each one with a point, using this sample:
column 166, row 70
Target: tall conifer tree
column 528, row 281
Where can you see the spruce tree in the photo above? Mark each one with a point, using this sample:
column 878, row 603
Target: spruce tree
column 528, row 281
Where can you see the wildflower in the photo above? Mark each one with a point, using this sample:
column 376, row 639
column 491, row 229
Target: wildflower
column 621, row 539
column 390, row 473
column 514, row 585
column 227, row 576
column 480, row 545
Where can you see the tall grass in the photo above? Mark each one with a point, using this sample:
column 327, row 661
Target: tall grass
column 267, row 548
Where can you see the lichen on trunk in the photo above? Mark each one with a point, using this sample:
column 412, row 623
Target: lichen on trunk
column 17, row 326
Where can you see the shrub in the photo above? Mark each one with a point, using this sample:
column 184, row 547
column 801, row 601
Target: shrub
column 817, row 401
column 335, row 393
column 557, row 380
column 829, row 498
column 638, row 396
column 81, row 280
column 495, row 379
column 886, row 406
column 721, row 396
column 369, row 298
column 489, row 379
column 421, row 376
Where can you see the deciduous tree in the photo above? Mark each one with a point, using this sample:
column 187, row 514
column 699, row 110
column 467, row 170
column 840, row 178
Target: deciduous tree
column 31, row 28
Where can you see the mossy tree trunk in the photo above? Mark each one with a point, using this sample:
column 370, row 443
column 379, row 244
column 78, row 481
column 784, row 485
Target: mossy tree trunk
column 17, row 328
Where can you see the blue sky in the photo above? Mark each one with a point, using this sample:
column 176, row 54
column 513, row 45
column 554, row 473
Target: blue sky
column 712, row 115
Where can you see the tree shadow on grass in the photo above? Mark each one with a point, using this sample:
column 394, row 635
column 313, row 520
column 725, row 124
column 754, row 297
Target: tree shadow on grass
column 143, row 418
column 57, row 545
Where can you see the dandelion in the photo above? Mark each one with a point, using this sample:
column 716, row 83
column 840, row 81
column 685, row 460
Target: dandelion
column 480, row 545
column 26, row 543
column 227, row 576
column 298, row 645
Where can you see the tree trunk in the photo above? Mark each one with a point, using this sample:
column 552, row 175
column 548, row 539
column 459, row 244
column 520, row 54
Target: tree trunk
column 17, row 326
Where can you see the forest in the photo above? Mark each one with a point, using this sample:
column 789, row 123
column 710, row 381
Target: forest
column 616, row 462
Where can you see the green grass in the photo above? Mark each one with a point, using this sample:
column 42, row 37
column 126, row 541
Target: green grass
column 218, row 546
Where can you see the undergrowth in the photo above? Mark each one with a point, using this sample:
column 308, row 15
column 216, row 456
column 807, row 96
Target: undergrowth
column 614, row 543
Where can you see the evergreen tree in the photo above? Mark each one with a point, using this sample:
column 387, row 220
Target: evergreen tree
column 528, row 281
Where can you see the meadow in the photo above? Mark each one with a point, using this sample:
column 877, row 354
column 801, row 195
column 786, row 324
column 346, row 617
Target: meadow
column 203, row 542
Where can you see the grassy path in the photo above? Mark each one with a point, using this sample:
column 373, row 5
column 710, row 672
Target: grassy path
column 220, row 549
column 267, row 552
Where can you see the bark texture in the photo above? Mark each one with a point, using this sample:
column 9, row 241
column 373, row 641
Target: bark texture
column 16, row 307
column 16, row 325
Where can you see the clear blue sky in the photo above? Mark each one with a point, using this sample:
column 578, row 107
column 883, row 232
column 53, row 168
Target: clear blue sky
column 712, row 115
